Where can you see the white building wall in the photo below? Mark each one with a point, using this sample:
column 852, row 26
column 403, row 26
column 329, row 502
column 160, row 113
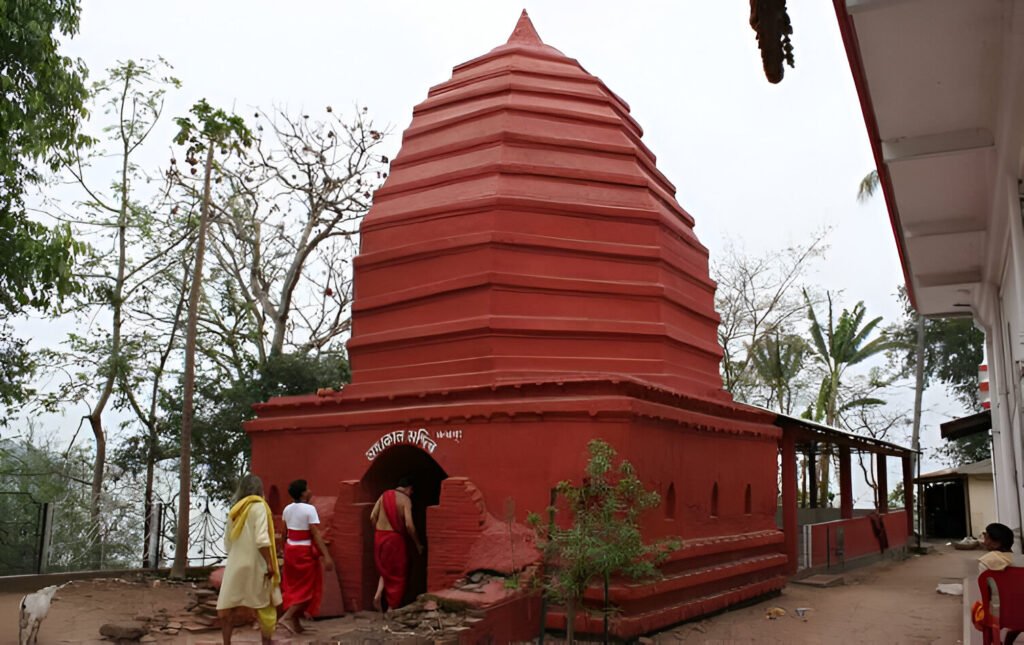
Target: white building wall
column 982, row 498
column 1004, row 326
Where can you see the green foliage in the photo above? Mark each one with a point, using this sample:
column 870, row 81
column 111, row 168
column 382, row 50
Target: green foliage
column 35, row 264
column 16, row 370
column 759, row 296
column 868, row 186
column 212, row 127
column 835, row 347
column 604, row 539
column 896, row 496
column 967, row 450
column 839, row 345
column 953, row 349
column 220, row 446
column 778, row 361
column 35, row 271
column 42, row 102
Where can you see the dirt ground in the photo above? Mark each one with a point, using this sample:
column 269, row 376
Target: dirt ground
column 888, row 602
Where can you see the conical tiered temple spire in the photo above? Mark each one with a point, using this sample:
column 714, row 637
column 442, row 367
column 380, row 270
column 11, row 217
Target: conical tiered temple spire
column 522, row 186
column 525, row 33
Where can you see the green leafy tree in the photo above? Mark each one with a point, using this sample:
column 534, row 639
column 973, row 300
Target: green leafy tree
column 207, row 130
column 836, row 346
column 43, row 100
column 16, row 369
column 42, row 103
column 604, row 538
column 778, row 362
column 966, row 450
column 948, row 350
column 220, row 446
column 954, row 348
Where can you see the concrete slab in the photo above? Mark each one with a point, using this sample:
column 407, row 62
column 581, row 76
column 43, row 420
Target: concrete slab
column 821, row 580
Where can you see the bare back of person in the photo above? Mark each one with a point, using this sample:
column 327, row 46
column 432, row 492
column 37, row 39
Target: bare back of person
column 404, row 507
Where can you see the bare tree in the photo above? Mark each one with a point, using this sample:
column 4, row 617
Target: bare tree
column 132, row 97
column 759, row 296
column 286, row 227
column 866, row 413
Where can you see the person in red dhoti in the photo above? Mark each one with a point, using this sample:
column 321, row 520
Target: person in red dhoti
column 392, row 520
column 302, row 582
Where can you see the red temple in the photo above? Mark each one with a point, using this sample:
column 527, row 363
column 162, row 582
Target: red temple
column 527, row 282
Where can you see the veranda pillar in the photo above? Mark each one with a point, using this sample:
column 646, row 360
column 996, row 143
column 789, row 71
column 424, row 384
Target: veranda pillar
column 882, row 477
column 845, row 484
column 908, row 492
column 789, row 499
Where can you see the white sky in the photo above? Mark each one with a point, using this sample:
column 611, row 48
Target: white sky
column 759, row 164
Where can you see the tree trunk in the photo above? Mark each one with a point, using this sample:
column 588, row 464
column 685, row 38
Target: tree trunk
column 915, row 436
column 96, row 560
column 824, row 462
column 187, row 410
column 803, row 482
column 827, row 449
column 147, row 522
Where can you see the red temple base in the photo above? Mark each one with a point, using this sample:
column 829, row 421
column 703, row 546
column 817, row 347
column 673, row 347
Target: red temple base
column 483, row 455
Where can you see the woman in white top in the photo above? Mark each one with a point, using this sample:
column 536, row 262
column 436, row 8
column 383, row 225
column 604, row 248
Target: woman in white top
column 302, row 580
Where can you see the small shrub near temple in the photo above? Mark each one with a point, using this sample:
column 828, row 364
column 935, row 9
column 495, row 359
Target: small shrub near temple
column 604, row 537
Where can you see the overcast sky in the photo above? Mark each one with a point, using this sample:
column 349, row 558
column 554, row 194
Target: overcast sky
column 757, row 164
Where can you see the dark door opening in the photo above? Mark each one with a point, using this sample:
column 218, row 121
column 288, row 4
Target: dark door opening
column 390, row 466
column 945, row 509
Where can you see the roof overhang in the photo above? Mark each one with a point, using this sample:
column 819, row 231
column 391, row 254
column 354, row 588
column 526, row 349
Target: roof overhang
column 806, row 432
column 967, row 426
column 981, row 468
column 941, row 85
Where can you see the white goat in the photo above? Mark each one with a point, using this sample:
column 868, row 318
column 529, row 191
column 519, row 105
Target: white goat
column 34, row 607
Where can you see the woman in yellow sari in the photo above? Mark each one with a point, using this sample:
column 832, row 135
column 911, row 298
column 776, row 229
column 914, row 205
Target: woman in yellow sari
column 252, row 577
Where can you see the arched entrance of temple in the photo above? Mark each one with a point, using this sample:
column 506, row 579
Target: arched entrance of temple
column 385, row 471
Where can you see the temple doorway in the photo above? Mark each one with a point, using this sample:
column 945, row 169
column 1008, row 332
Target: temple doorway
column 393, row 464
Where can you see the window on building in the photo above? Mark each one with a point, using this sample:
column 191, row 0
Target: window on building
column 670, row 502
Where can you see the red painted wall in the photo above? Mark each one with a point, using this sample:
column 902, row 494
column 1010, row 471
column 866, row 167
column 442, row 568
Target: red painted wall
column 859, row 537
